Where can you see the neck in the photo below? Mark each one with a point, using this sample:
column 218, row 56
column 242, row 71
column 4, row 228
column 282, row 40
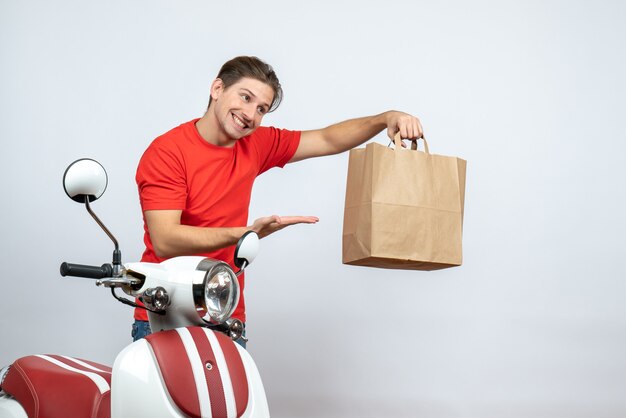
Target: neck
column 209, row 129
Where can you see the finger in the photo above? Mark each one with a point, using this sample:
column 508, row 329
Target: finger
column 404, row 132
column 300, row 219
column 410, row 133
column 292, row 220
column 405, row 128
column 417, row 128
column 420, row 130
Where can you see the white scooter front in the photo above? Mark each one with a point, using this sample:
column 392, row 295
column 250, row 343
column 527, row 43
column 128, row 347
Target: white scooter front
column 186, row 368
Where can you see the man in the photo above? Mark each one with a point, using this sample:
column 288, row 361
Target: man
column 195, row 181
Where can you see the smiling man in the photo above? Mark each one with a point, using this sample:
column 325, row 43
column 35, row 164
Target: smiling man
column 195, row 181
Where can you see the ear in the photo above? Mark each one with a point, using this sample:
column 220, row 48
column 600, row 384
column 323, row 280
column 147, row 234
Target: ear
column 217, row 87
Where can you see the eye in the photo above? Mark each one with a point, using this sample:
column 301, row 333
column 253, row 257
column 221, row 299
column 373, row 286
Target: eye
column 261, row 110
column 245, row 98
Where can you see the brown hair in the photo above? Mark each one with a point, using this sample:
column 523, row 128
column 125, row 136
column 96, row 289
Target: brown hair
column 251, row 67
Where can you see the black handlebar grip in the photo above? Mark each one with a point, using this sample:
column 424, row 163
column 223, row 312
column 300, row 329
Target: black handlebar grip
column 91, row 272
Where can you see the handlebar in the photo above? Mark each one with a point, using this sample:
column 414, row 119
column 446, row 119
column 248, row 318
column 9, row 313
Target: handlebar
column 90, row 272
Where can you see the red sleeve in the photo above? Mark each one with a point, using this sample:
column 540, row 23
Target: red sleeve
column 161, row 178
column 275, row 147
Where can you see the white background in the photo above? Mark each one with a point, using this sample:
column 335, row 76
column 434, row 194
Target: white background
column 532, row 94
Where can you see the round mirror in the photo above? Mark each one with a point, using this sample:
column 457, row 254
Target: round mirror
column 247, row 249
column 85, row 177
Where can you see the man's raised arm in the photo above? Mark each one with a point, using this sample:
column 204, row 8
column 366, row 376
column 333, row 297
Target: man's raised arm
column 346, row 135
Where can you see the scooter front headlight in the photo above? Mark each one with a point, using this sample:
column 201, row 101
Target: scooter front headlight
column 220, row 293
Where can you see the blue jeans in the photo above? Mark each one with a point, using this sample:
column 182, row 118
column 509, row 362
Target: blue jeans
column 141, row 329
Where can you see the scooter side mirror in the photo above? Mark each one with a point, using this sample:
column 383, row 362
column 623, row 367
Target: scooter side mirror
column 84, row 181
column 247, row 249
column 85, row 178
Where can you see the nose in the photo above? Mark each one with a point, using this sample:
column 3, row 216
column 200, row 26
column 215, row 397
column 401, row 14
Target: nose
column 249, row 111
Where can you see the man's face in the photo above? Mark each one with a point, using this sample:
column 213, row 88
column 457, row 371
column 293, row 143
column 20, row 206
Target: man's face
column 240, row 108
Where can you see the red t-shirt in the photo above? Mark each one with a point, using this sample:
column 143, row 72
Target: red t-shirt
column 210, row 184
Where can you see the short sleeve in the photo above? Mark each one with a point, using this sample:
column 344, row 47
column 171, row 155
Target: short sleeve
column 161, row 178
column 275, row 147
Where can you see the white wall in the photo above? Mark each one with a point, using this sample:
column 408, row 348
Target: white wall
column 532, row 94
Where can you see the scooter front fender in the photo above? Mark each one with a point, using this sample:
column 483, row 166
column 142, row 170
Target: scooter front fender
column 186, row 372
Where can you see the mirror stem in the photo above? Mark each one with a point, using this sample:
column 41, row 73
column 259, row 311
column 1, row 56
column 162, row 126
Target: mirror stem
column 243, row 267
column 117, row 254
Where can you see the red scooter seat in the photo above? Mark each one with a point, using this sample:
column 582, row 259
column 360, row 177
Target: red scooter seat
column 51, row 386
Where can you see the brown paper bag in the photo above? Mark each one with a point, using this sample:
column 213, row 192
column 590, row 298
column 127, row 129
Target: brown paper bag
column 403, row 209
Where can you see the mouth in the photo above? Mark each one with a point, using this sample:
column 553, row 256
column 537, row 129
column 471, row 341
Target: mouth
column 240, row 122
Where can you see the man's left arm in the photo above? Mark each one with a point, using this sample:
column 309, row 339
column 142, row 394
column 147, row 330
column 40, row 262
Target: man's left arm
column 346, row 135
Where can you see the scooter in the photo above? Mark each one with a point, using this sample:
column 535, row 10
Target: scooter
column 190, row 366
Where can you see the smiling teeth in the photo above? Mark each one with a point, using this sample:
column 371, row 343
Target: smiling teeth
column 239, row 121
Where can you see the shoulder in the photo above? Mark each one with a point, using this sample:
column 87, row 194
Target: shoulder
column 174, row 136
column 263, row 132
column 175, row 141
column 274, row 146
column 167, row 151
column 272, row 133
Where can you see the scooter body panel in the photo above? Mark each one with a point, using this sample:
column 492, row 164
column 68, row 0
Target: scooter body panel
column 257, row 400
column 136, row 387
column 10, row 408
column 187, row 372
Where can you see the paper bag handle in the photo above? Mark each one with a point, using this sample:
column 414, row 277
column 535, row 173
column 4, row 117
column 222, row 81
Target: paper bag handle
column 398, row 141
